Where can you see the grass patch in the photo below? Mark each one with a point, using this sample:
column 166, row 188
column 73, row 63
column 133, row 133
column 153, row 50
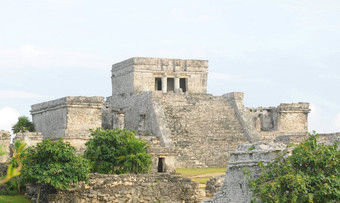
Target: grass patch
column 190, row 172
column 13, row 199
column 200, row 175
column 201, row 180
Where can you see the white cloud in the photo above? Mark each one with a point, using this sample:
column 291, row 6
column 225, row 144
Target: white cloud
column 8, row 94
column 225, row 77
column 48, row 57
column 336, row 122
column 313, row 117
column 8, row 117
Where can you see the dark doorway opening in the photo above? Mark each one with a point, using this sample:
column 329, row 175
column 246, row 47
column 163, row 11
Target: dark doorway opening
column 158, row 84
column 161, row 164
column 170, row 84
column 183, row 84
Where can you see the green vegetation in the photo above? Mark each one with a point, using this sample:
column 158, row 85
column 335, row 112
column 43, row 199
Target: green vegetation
column 117, row 151
column 15, row 164
column 23, row 125
column 13, row 199
column 55, row 164
column 310, row 174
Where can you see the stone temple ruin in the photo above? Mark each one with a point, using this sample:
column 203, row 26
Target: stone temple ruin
column 166, row 102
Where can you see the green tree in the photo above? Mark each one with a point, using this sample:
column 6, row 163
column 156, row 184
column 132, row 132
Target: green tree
column 54, row 164
column 23, row 124
column 117, row 151
column 15, row 165
column 310, row 174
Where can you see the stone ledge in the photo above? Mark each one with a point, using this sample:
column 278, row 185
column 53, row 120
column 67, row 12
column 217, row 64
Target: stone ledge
column 76, row 101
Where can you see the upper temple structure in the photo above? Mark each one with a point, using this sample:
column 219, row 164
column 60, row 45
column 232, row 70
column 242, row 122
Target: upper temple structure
column 166, row 102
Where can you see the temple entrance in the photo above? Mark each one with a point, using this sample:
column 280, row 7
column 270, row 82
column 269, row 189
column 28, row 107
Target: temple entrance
column 161, row 165
column 170, row 84
column 183, row 84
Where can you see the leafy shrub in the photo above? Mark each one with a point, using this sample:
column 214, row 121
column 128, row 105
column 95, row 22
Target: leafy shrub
column 310, row 174
column 54, row 164
column 117, row 151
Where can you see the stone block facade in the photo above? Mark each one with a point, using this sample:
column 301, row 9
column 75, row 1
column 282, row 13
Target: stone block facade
column 159, row 74
column 68, row 116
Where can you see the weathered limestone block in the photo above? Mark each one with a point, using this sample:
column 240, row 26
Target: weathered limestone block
column 293, row 117
column 213, row 185
column 246, row 157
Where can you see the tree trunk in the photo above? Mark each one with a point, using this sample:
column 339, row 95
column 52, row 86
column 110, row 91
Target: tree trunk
column 38, row 195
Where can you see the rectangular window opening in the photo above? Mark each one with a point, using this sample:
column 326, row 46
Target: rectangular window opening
column 158, row 84
column 161, row 165
column 183, row 82
column 171, row 84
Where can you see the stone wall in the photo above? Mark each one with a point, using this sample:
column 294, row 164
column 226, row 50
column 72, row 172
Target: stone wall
column 5, row 139
column 112, row 118
column 139, row 75
column 296, row 139
column 126, row 188
column 235, row 187
column 286, row 119
column 68, row 116
column 30, row 138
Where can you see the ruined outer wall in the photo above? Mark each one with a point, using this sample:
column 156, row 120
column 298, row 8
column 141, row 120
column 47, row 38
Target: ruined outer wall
column 138, row 74
column 68, row 116
column 296, row 139
column 126, row 188
column 204, row 128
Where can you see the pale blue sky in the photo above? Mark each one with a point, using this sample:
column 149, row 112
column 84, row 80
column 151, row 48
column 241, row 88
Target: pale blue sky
column 280, row 51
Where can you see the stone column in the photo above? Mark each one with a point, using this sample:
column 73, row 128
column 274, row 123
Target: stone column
column 164, row 83
column 176, row 84
column 120, row 123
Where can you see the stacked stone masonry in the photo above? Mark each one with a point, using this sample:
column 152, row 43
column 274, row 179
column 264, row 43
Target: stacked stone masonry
column 5, row 138
column 162, row 187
